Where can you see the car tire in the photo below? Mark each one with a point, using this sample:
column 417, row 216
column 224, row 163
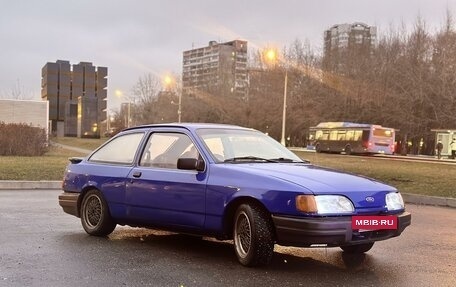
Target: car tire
column 253, row 235
column 95, row 217
column 358, row 248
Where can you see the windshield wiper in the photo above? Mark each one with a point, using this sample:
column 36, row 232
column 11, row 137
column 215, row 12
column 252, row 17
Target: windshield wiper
column 248, row 158
column 283, row 159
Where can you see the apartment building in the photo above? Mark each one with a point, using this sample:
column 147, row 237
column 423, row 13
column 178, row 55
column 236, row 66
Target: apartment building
column 219, row 69
column 345, row 43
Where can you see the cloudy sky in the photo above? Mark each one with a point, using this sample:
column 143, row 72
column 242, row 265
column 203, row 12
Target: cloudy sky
column 136, row 37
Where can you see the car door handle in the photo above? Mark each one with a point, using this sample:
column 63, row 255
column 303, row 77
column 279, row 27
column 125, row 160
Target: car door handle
column 137, row 174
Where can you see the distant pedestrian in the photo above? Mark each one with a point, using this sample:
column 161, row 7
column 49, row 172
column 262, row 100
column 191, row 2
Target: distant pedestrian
column 439, row 147
column 453, row 148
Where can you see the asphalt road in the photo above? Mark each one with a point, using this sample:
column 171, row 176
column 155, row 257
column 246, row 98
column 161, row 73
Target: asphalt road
column 42, row 246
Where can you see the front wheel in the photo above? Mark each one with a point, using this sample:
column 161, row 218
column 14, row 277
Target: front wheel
column 358, row 248
column 95, row 217
column 253, row 235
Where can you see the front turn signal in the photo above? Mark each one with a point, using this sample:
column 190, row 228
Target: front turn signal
column 306, row 203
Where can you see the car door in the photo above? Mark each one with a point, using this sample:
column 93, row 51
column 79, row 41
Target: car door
column 108, row 167
column 160, row 194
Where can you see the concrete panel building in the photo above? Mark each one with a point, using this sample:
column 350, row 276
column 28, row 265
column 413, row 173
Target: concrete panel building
column 344, row 43
column 219, row 69
column 349, row 35
column 34, row 113
column 66, row 87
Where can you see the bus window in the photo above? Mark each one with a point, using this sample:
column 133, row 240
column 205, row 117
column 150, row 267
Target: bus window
column 333, row 135
column 358, row 135
column 341, row 135
column 325, row 136
column 318, row 134
column 382, row 133
column 350, row 136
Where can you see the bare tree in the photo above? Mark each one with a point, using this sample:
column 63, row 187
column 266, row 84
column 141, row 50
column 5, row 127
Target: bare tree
column 407, row 82
column 443, row 74
column 17, row 92
column 144, row 97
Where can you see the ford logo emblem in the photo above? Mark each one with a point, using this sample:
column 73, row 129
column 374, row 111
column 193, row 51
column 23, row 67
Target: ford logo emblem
column 370, row 199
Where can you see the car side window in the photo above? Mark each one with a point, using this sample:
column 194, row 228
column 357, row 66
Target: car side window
column 162, row 150
column 120, row 150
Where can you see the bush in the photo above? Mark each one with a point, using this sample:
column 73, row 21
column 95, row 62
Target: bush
column 22, row 140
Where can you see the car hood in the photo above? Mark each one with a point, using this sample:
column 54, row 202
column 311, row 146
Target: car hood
column 316, row 179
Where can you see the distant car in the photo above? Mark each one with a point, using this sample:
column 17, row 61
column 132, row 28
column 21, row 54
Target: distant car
column 226, row 182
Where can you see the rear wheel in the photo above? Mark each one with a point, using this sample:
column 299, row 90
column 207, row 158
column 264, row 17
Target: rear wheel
column 253, row 235
column 358, row 248
column 95, row 217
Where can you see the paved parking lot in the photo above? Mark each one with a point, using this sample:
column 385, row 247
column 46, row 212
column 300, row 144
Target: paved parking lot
column 42, row 246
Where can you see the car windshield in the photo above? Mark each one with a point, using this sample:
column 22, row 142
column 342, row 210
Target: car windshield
column 238, row 146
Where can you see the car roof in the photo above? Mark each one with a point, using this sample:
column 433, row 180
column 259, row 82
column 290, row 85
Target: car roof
column 189, row 126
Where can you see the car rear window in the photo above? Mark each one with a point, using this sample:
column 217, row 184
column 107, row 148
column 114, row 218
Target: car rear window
column 120, row 150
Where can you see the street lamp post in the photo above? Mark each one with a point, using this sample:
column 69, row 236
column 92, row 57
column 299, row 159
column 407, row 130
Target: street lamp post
column 179, row 108
column 271, row 56
column 168, row 80
column 284, row 112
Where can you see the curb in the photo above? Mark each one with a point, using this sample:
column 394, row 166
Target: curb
column 429, row 200
column 21, row 184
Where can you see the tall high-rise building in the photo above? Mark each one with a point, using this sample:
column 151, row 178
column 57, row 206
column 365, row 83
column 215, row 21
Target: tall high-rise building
column 219, row 69
column 346, row 42
column 77, row 97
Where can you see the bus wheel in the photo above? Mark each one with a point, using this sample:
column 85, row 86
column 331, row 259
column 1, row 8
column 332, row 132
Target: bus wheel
column 348, row 150
column 318, row 148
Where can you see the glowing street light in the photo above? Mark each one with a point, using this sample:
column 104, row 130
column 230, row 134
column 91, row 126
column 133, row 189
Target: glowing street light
column 168, row 82
column 272, row 57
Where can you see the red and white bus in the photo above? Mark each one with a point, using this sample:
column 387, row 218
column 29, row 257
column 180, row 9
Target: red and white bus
column 351, row 138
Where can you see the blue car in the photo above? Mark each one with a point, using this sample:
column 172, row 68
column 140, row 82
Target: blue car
column 227, row 182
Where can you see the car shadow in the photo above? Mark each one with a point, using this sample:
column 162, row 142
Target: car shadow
column 209, row 250
column 328, row 265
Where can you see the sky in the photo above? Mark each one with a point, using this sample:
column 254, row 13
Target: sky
column 133, row 38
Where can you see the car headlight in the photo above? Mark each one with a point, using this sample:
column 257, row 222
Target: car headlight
column 394, row 201
column 324, row 204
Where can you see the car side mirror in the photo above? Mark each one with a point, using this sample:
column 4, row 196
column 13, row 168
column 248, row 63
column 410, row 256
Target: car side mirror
column 191, row 164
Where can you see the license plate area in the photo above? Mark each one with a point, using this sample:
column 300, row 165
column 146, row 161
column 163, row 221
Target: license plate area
column 369, row 223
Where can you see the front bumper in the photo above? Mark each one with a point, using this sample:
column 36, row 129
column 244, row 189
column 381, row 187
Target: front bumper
column 69, row 202
column 330, row 231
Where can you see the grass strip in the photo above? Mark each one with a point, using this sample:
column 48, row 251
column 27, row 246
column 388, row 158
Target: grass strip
column 411, row 177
